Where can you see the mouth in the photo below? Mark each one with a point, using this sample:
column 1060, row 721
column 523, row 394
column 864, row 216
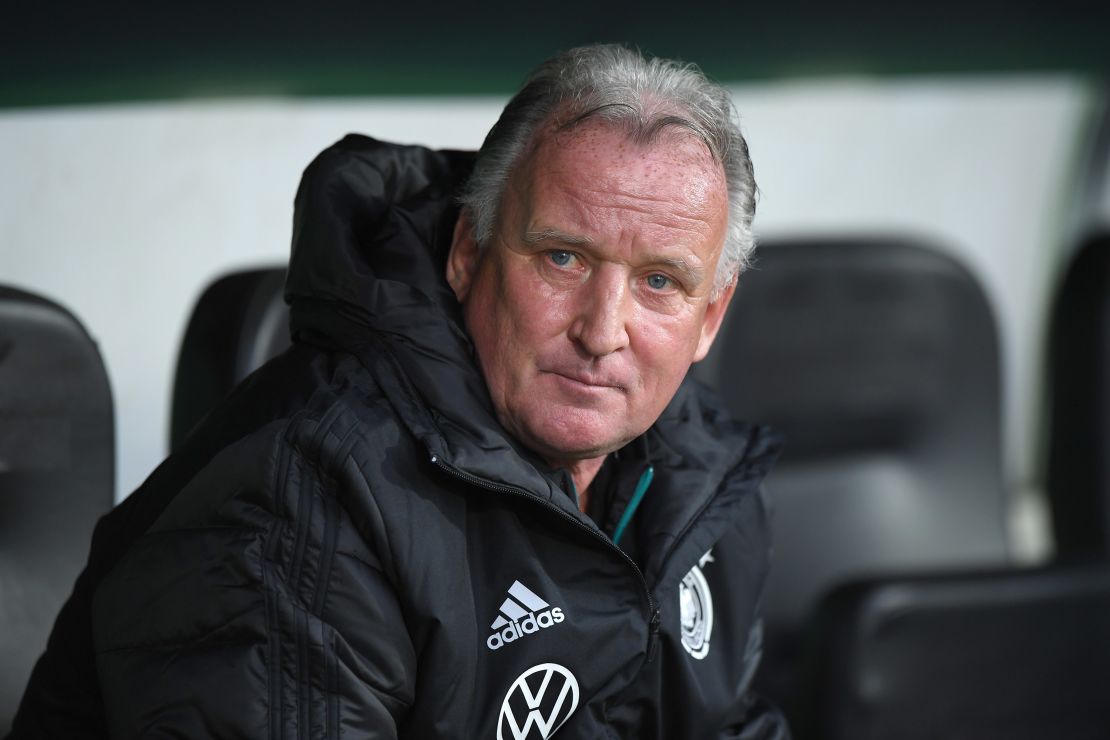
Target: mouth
column 588, row 381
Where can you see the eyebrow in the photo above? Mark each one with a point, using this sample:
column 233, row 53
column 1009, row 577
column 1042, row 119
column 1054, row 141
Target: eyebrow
column 535, row 237
column 693, row 274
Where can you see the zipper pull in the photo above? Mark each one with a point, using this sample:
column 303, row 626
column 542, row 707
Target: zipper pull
column 653, row 635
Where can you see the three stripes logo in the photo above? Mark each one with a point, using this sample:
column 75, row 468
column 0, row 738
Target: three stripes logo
column 523, row 613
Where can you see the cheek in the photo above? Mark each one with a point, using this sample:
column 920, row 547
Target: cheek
column 666, row 346
column 483, row 316
column 509, row 315
column 537, row 309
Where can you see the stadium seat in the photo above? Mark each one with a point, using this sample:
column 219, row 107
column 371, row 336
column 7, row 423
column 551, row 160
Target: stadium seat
column 878, row 359
column 1018, row 655
column 239, row 322
column 1078, row 476
column 1003, row 655
column 57, row 463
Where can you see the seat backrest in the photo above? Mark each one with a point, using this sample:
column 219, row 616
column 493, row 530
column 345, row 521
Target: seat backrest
column 1078, row 476
column 239, row 322
column 1004, row 656
column 878, row 359
column 57, row 466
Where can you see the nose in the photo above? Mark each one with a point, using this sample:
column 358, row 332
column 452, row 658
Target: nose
column 600, row 326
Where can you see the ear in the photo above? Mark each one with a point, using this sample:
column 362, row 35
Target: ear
column 462, row 260
column 711, row 322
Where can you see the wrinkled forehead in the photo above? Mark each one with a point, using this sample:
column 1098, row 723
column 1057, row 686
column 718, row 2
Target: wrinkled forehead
column 680, row 151
column 597, row 184
column 644, row 127
column 644, row 123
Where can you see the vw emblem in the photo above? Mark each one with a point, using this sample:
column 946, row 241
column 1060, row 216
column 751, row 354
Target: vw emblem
column 696, row 610
column 538, row 703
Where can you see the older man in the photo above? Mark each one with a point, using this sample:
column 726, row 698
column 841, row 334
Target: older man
column 475, row 499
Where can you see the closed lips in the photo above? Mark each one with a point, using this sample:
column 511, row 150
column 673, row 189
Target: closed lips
column 592, row 380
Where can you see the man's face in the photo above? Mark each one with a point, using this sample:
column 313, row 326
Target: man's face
column 592, row 299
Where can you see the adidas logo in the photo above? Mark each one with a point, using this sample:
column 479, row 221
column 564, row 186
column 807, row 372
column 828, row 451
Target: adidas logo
column 523, row 613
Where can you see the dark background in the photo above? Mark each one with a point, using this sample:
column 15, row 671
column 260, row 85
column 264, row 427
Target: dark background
column 59, row 53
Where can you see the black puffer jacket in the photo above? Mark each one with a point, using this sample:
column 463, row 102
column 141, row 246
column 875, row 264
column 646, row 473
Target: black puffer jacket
column 351, row 546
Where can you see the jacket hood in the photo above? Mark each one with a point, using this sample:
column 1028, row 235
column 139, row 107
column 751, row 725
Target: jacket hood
column 372, row 227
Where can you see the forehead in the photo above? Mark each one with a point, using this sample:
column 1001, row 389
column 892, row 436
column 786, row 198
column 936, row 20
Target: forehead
column 597, row 147
column 597, row 175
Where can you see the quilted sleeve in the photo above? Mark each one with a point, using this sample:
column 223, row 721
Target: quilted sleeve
column 253, row 613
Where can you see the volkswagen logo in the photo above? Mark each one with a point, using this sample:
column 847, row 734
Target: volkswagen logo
column 538, row 703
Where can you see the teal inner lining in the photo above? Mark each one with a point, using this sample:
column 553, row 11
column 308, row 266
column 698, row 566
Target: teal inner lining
column 637, row 497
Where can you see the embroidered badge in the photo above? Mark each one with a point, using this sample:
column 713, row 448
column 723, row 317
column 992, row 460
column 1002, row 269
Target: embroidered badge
column 696, row 609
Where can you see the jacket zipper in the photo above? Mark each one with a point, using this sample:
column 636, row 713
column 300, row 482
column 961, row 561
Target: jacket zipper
column 653, row 609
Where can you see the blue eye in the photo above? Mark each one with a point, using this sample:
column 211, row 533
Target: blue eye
column 658, row 282
column 560, row 257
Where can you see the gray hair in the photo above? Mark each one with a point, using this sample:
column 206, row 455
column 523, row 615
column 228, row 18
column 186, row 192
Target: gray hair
column 646, row 95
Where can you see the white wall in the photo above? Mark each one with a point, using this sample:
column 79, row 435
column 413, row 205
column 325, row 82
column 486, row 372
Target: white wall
column 124, row 213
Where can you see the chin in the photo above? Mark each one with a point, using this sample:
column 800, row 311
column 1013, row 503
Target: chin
column 574, row 442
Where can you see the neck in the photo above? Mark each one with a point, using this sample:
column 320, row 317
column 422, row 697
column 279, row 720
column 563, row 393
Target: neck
column 583, row 473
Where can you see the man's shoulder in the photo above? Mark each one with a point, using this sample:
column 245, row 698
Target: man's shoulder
column 246, row 493
column 303, row 411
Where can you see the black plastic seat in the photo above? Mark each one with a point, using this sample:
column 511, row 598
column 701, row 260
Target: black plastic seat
column 1078, row 478
column 239, row 322
column 878, row 359
column 1001, row 656
column 57, row 467
column 1006, row 655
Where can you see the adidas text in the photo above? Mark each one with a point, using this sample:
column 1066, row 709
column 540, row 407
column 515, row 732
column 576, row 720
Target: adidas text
column 530, row 624
column 522, row 613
